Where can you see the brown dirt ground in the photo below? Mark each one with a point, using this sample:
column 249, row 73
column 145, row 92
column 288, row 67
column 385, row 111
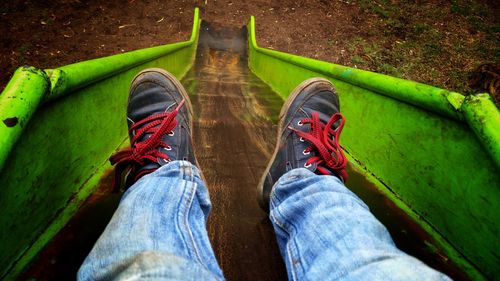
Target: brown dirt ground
column 435, row 42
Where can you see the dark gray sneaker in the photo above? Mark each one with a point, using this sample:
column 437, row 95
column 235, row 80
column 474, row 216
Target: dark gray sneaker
column 309, row 129
column 159, row 117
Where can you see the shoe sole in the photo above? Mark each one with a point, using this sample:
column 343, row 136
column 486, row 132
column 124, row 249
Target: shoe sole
column 184, row 95
column 293, row 95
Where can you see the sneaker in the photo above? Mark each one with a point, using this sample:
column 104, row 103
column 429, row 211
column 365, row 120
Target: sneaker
column 159, row 117
column 308, row 136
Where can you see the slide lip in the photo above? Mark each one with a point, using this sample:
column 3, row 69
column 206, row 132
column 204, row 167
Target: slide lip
column 440, row 101
column 66, row 79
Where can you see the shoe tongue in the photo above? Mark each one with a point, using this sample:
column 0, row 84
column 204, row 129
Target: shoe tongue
column 146, row 111
column 324, row 118
column 147, row 101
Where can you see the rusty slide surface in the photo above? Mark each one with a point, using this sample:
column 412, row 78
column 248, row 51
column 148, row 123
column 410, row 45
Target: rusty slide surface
column 234, row 138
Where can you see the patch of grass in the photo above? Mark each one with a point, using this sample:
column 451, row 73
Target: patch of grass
column 360, row 48
column 401, row 51
column 432, row 50
column 435, row 34
column 354, row 44
column 477, row 24
column 396, row 26
column 460, row 47
column 420, row 27
column 484, row 51
column 494, row 29
column 389, row 69
column 458, row 7
column 358, row 60
column 372, row 49
column 496, row 55
column 433, row 73
column 474, row 13
column 383, row 8
column 434, row 42
column 459, row 80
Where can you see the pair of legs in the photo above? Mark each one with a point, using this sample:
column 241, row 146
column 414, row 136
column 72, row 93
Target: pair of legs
column 158, row 232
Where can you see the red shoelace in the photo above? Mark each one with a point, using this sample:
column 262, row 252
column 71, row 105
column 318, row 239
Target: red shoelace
column 141, row 151
column 325, row 140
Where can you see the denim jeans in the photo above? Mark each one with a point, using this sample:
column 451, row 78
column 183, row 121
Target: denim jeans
column 324, row 232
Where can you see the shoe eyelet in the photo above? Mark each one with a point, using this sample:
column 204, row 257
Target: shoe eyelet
column 306, row 152
column 301, row 139
column 167, row 160
column 171, row 133
column 300, row 123
column 307, row 165
column 168, row 148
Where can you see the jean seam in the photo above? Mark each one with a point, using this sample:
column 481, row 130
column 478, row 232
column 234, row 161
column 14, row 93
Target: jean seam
column 292, row 248
column 183, row 218
column 273, row 198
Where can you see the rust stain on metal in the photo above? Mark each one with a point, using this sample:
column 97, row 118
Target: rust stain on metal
column 62, row 257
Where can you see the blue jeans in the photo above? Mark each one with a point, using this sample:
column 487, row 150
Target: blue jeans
column 324, row 232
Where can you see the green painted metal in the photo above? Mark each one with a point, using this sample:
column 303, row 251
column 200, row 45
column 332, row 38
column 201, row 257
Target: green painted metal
column 484, row 118
column 18, row 101
column 62, row 154
column 416, row 141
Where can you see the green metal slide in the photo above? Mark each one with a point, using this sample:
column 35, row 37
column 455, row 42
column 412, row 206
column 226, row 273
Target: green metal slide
column 435, row 153
column 432, row 152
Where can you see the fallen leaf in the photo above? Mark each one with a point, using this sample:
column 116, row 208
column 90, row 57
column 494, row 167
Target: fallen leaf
column 125, row 25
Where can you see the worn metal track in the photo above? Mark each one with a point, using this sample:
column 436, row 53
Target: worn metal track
column 234, row 137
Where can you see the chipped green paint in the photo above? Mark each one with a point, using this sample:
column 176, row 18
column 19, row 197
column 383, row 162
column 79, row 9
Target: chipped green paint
column 18, row 102
column 484, row 118
column 417, row 143
column 78, row 126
